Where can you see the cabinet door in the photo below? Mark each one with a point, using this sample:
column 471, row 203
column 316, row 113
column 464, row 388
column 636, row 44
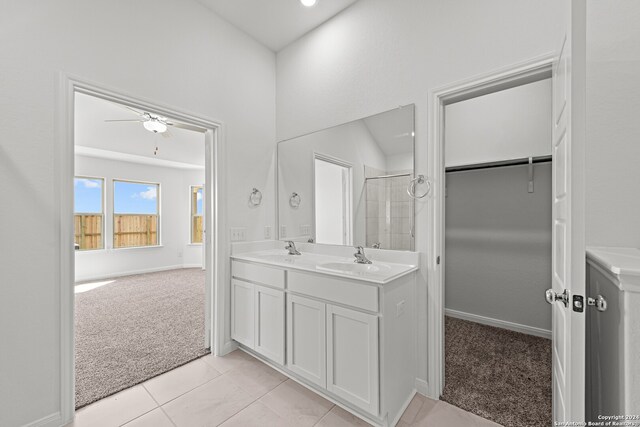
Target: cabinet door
column 306, row 339
column 352, row 357
column 269, row 323
column 242, row 312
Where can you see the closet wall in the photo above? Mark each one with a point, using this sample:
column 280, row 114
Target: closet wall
column 498, row 235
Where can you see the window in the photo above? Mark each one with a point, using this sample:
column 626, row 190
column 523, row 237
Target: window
column 88, row 213
column 195, row 197
column 135, row 214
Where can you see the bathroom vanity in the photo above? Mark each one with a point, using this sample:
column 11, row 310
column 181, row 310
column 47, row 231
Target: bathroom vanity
column 343, row 329
column 613, row 332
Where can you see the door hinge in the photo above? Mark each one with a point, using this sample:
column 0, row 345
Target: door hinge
column 438, row 260
column 578, row 303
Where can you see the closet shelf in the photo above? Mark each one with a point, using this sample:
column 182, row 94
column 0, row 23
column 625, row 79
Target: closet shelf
column 498, row 164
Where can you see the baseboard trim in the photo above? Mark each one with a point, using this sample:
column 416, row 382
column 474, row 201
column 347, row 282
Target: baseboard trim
column 422, row 387
column 404, row 407
column 227, row 348
column 192, row 266
column 54, row 419
column 516, row 327
column 132, row 272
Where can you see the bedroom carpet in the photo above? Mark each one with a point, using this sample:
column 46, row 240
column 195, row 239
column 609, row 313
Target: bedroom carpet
column 500, row 375
column 132, row 328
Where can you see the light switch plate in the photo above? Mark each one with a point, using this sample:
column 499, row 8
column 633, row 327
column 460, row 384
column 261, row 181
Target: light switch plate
column 283, row 231
column 305, row 230
column 238, row 234
column 267, row 231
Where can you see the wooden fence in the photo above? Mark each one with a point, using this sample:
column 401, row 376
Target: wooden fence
column 135, row 230
column 196, row 229
column 128, row 231
column 88, row 231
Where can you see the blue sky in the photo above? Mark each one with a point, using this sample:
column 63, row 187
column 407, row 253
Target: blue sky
column 130, row 197
column 87, row 195
column 199, row 202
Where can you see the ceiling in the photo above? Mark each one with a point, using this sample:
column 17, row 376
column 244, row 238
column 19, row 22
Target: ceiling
column 393, row 130
column 276, row 23
column 130, row 141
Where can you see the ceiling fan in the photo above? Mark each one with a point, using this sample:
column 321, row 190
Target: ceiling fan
column 155, row 123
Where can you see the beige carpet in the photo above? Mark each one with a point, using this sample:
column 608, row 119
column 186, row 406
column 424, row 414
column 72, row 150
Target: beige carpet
column 135, row 328
column 500, row 375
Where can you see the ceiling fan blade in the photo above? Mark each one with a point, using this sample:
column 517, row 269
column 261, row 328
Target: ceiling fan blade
column 126, row 120
column 186, row 126
column 138, row 112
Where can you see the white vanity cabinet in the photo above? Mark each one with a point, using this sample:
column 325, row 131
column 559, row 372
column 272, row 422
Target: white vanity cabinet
column 613, row 334
column 243, row 309
column 352, row 357
column 307, row 339
column 350, row 339
column 335, row 346
column 258, row 310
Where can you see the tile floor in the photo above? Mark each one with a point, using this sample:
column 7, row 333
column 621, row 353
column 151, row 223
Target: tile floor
column 239, row 390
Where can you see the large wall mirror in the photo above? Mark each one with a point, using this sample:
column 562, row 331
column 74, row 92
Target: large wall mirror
column 347, row 185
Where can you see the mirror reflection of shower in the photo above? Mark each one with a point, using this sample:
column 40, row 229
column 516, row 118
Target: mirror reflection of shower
column 389, row 210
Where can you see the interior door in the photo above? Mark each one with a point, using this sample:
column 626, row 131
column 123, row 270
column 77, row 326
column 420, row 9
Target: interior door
column 332, row 184
column 568, row 268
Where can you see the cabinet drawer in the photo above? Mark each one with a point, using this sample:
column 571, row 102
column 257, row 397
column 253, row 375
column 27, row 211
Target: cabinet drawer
column 258, row 273
column 342, row 291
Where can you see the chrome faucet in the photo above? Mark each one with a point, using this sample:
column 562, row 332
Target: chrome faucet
column 291, row 247
column 360, row 258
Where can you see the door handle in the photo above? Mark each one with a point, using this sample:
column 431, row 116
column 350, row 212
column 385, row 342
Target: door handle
column 552, row 296
column 599, row 302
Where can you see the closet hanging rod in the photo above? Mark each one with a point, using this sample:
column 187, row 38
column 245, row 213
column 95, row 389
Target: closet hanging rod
column 498, row 164
column 388, row 176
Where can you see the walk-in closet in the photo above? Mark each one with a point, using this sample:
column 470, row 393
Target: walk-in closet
column 498, row 254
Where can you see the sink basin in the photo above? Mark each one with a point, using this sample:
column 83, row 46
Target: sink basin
column 353, row 268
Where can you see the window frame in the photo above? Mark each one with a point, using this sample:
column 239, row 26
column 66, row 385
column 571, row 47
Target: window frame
column 192, row 215
column 114, row 213
column 103, row 205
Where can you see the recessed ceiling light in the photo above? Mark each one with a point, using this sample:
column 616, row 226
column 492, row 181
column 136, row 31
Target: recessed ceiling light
column 308, row 3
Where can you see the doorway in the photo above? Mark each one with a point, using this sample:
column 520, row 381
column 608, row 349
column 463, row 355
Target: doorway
column 139, row 214
column 533, row 71
column 212, row 219
column 332, row 188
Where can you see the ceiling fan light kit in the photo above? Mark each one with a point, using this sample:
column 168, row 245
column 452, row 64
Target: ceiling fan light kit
column 155, row 125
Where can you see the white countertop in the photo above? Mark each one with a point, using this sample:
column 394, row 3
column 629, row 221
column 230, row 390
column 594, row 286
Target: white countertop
column 379, row 272
column 620, row 261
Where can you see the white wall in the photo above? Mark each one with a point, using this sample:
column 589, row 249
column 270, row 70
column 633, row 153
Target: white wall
column 175, row 250
column 173, row 52
column 498, row 245
column 379, row 54
column 613, row 102
column 510, row 124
